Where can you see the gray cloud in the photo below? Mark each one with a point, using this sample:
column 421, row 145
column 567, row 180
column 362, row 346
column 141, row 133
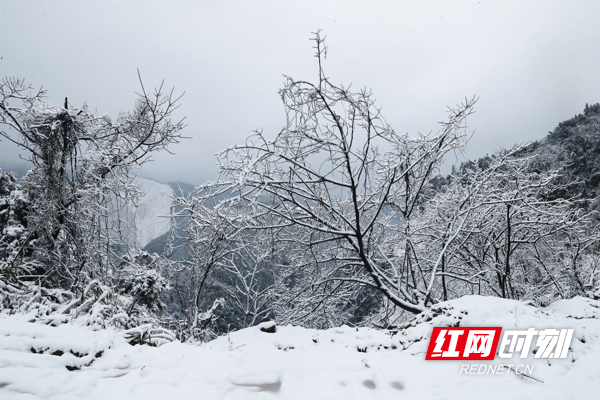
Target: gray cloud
column 533, row 63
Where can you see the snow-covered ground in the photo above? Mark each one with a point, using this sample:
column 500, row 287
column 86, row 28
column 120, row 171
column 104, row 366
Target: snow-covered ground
column 295, row 363
column 151, row 216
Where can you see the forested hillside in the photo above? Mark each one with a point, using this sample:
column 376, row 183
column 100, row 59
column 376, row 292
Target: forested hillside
column 573, row 148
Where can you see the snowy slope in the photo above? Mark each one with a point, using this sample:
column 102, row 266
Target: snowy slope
column 297, row 363
column 151, row 217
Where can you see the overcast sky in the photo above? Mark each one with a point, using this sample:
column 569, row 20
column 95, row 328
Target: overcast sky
column 532, row 63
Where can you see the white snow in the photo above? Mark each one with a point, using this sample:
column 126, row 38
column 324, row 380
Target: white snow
column 298, row 363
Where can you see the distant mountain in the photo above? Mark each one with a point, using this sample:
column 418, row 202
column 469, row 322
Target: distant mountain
column 152, row 216
column 181, row 189
column 158, row 244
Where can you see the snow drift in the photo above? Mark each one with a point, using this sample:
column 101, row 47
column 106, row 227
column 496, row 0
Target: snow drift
column 39, row 360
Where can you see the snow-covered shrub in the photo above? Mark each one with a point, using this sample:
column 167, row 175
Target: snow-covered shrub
column 140, row 277
column 14, row 207
column 16, row 263
column 149, row 335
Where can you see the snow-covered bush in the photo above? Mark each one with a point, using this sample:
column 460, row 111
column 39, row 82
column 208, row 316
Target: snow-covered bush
column 14, row 207
column 16, row 248
column 140, row 277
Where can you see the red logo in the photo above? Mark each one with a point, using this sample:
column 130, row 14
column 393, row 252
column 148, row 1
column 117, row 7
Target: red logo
column 463, row 343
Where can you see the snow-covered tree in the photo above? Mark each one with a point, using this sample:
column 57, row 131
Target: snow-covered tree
column 363, row 228
column 518, row 240
column 80, row 184
column 331, row 184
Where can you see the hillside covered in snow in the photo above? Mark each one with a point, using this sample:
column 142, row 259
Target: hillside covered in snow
column 42, row 357
column 152, row 214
